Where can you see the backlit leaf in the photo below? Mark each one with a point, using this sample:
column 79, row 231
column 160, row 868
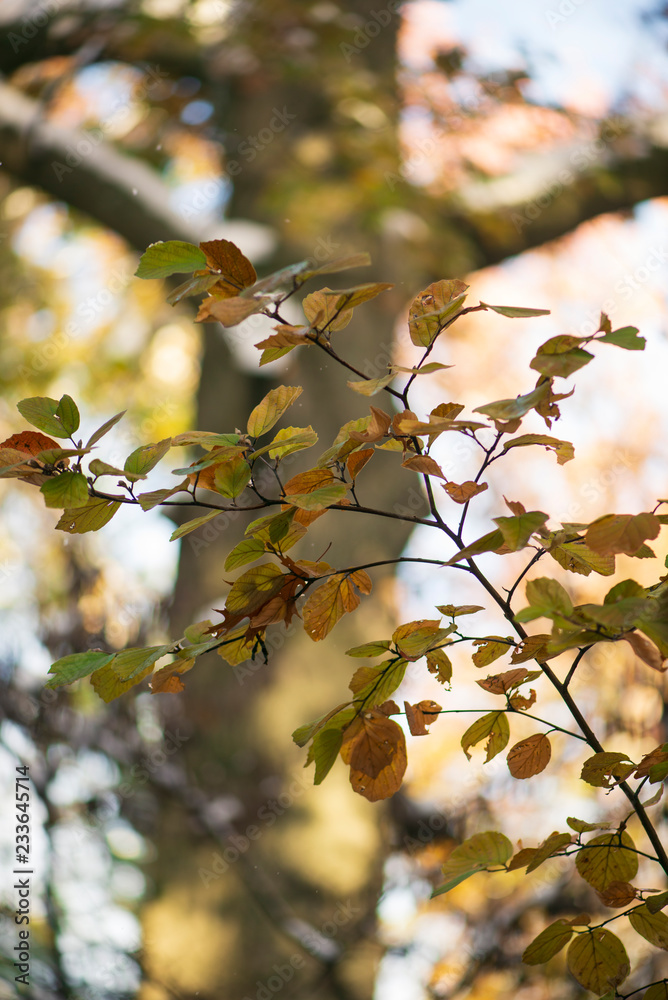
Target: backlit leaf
column 577, row 557
column 370, row 648
column 625, row 533
column 323, row 313
column 91, row 517
column 488, row 543
column 551, row 845
column 291, row 439
column 516, row 312
column 494, row 727
column 231, row 312
column 547, row 599
column 163, row 259
column 618, row 894
column 596, row 769
column 432, row 308
column 423, row 464
column 598, row 960
column 491, row 648
column 236, row 271
column 145, row 458
column 626, row 337
column 548, row 943
column 463, row 492
column 652, row 926
column 563, row 449
column 254, row 588
column 75, row 666
column 510, row 409
column 326, row 605
column 475, row 854
column 271, row 409
column 529, row 756
column 69, row 489
column 518, row 530
column 370, row 386
column 375, row 748
column 197, row 522
column 608, row 858
column 439, row 663
column 68, row 414
column 326, row 746
column 147, row 501
column 248, row 550
column 40, row 411
column 414, row 639
column 232, row 477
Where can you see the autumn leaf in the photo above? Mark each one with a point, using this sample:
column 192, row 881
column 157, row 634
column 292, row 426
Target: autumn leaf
column 432, row 308
column 615, row 533
column 473, row 855
column 420, row 716
column 529, row 756
column 423, row 464
column 236, row 271
column 491, row 648
column 548, row 943
column 551, row 845
column 618, row 894
column 356, row 462
column 563, row 450
column 608, row 858
column 493, row 727
column 463, row 492
column 375, row 748
column 326, row 605
column 271, row 409
column 598, row 960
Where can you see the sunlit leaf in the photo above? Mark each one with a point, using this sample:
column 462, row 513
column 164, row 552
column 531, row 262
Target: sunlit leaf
column 614, row 533
column 598, row 960
column 516, row 312
column 254, row 588
column 433, row 308
column 608, row 858
column 163, row 259
column 563, row 449
column 494, row 728
column 271, row 409
column 369, row 387
column 75, row 666
column 69, row 489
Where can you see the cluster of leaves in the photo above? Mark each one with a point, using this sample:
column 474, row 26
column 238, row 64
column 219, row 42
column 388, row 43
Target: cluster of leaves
column 237, row 469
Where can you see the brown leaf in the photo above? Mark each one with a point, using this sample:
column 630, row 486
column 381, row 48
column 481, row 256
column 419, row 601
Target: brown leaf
column 231, row 311
column 618, row 894
column 415, row 719
column 501, row 683
column 462, row 493
column 389, row 708
column 236, row 270
column 520, row 702
column 646, row 651
column 529, row 756
column 375, row 748
column 326, row 605
column 522, row 858
column 656, row 756
column 285, row 335
column 307, row 482
column 531, row 648
column 378, row 427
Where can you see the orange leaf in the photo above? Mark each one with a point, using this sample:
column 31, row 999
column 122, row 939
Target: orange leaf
column 464, row 492
column 625, row 533
column 378, row 428
column 236, row 270
column 500, row 683
column 531, row 648
column 529, row 756
column 618, row 894
column 31, row 442
column 326, row 605
column 424, row 464
column 307, row 482
column 415, row 719
column 356, row 462
column 375, row 748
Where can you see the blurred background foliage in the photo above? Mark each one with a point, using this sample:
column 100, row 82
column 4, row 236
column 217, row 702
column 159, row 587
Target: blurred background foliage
column 522, row 147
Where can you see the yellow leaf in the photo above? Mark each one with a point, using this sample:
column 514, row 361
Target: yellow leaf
column 608, row 858
column 598, row 960
column 529, row 756
column 271, row 409
column 462, row 493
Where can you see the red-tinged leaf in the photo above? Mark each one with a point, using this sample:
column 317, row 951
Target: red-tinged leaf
column 502, row 683
column 618, row 894
column 515, row 312
column 271, row 409
column 163, row 259
column 356, row 462
column 563, row 450
column 14, row 465
column 548, row 943
column 389, row 708
column 30, row 442
column 598, row 960
column 493, row 727
column 433, row 308
column 425, row 465
column 615, row 533
column 236, row 271
column 529, row 756
column 285, row 335
column 522, row 858
column 646, row 651
column 608, row 858
column 463, row 492
column 416, row 720
column 491, row 648
column 656, row 756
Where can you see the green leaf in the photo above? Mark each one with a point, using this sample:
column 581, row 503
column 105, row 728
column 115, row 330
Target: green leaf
column 271, row 409
column 474, row 855
column 493, row 725
column 129, row 663
column 560, row 356
column 318, row 499
column 372, row 686
column 516, row 312
column 197, row 522
column 518, row 530
column 657, row 991
column 626, row 337
column 108, row 685
column 551, row 846
column 598, row 960
column 97, row 512
column 69, row 489
column 607, row 859
column 161, row 260
column 99, row 468
column 232, row 477
column 656, row 903
column 40, row 411
column 370, row 648
column 652, row 926
column 563, row 449
column 77, row 665
column 547, row 599
column 325, row 750
column 511, row 409
column 248, row 550
column 104, row 429
column 548, row 943
column 488, row 543
column 147, row 501
column 145, row 458
column 68, row 414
